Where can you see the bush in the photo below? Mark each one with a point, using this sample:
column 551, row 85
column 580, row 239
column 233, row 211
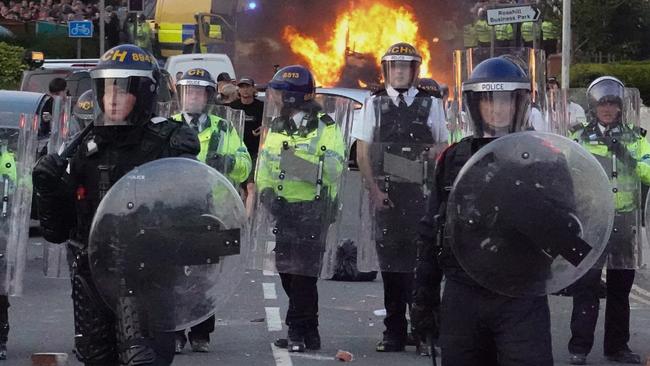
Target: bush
column 11, row 66
column 635, row 74
column 56, row 46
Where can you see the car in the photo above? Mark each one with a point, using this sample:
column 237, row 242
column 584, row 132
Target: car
column 42, row 71
column 215, row 63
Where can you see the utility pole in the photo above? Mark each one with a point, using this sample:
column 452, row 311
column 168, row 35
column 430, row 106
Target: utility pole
column 566, row 42
column 102, row 25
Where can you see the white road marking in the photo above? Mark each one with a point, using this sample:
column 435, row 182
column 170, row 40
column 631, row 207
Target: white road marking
column 273, row 320
column 269, row 291
column 281, row 356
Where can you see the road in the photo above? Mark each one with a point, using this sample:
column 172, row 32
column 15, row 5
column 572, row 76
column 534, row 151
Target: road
column 41, row 321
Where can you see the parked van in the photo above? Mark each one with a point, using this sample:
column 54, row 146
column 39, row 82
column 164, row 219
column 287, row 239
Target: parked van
column 215, row 63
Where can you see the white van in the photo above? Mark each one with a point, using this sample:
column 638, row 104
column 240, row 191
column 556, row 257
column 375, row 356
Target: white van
column 215, row 63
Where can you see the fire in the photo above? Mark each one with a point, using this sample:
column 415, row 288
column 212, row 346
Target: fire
column 371, row 27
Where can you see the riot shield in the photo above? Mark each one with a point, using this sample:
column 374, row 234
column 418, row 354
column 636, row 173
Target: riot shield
column 401, row 159
column 533, row 61
column 620, row 145
column 529, row 214
column 18, row 133
column 298, row 181
column 61, row 128
column 170, row 248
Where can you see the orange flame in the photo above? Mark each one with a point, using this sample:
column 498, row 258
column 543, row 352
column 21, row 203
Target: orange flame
column 371, row 27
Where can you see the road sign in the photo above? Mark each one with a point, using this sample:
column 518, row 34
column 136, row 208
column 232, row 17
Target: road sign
column 80, row 29
column 515, row 14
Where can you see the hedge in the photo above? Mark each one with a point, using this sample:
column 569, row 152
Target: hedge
column 635, row 74
column 11, row 66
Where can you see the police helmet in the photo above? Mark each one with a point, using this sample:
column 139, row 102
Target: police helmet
column 430, row 86
column 505, row 86
column 83, row 109
column 605, row 90
column 125, row 82
column 196, row 89
column 292, row 87
column 398, row 58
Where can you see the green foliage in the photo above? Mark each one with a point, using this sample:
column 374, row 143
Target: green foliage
column 633, row 74
column 56, row 46
column 11, row 66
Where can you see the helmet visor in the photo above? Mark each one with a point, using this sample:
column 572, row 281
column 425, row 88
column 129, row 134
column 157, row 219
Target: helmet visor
column 193, row 98
column 116, row 101
column 400, row 74
column 496, row 114
column 606, row 91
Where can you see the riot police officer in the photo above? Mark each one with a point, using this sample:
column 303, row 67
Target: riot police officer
column 221, row 146
column 299, row 165
column 9, row 177
column 478, row 326
column 126, row 133
column 82, row 112
column 411, row 122
column 622, row 149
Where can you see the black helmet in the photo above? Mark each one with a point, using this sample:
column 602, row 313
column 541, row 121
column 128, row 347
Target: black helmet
column 293, row 86
column 605, row 89
column 84, row 108
column 398, row 57
column 196, row 89
column 122, row 71
column 503, row 83
column 430, row 86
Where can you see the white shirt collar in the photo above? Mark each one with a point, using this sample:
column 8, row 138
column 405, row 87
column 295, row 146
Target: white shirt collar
column 409, row 95
column 298, row 117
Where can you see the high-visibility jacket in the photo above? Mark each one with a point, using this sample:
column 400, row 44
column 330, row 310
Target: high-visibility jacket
column 469, row 36
column 627, row 181
column 321, row 144
column 220, row 139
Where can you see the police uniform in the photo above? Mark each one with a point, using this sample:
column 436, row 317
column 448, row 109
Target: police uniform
column 302, row 214
column 478, row 326
column 633, row 156
column 67, row 203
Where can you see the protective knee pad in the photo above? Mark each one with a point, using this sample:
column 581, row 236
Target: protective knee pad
column 95, row 340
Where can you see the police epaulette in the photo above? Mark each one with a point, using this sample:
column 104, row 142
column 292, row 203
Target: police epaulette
column 327, row 120
column 160, row 128
column 380, row 92
column 641, row 131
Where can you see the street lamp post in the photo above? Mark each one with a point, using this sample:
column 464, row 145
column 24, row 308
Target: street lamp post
column 566, row 42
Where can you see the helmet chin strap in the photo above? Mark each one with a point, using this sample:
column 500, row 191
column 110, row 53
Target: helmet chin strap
column 494, row 132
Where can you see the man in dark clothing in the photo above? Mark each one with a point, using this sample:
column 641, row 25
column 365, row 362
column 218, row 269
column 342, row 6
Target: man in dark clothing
column 112, row 29
column 125, row 134
column 254, row 109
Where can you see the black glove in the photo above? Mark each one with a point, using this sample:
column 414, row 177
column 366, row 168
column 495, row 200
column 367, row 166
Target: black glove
column 48, row 172
column 223, row 163
column 616, row 147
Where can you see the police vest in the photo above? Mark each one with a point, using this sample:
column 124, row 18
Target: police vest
column 405, row 124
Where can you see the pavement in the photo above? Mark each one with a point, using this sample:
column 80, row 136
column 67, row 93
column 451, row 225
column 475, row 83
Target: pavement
column 41, row 321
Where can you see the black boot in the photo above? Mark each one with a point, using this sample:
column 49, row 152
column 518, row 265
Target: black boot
column 312, row 339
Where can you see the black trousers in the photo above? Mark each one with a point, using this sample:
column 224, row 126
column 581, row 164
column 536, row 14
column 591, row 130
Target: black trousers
column 398, row 292
column 4, row 318
column 482, row 328
column 617, row 312
column 200, row 331
column 302, row 314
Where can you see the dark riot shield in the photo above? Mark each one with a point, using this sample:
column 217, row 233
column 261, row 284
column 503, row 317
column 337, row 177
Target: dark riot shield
column 529, row 214
column 167, row 237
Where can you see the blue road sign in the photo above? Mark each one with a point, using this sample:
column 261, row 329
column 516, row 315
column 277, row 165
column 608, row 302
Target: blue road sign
column 80, row 29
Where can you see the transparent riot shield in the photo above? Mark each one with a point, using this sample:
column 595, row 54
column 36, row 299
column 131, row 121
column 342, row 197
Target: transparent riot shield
column 298, row 181
column 398, row 166
column 533, row 61
column 611, row 133
column 168, row 250
column 529, row 214
column 64, row 127
column 61, row 126
column 18, row 133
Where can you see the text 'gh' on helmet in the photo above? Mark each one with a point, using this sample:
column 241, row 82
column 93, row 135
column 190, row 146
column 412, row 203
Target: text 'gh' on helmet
column 291, row 88
column 401, row 66
column 497, row 97
column 196, row 89
column 125, row 82
column 606, row 90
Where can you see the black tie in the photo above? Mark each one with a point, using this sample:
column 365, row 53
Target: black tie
column 402, row 102
column 194, row 122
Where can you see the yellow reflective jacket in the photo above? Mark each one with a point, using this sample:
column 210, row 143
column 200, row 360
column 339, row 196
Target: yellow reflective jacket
column 469, row 36
column 221, row 139
column 627, row 181
column 483, row 31
column 320, row 143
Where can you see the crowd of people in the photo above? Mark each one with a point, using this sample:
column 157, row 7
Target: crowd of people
column 55, row 11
